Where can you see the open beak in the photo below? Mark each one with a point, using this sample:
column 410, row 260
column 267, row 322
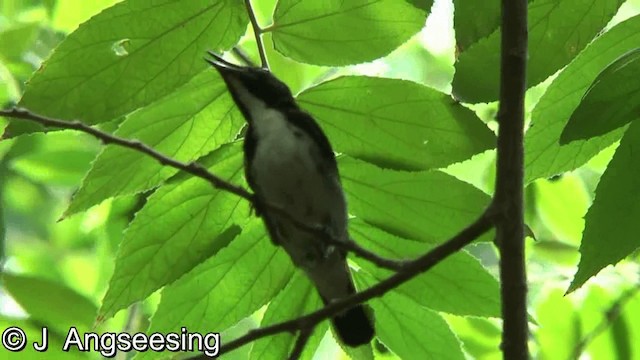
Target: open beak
column 224, row 67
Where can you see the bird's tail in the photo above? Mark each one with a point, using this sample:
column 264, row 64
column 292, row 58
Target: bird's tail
column 354, row 327
column 333, row 280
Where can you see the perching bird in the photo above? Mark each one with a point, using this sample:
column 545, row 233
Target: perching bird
column 290, row 165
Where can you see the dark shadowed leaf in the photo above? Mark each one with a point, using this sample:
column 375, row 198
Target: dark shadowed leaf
column 544, row 156
column 474, row 20
column 612, row 101
column 611, row 225
column 558, row 31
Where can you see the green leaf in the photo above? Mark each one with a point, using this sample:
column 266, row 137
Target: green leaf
column 226, row 288
column 556, row 315
column 410, row 330
column 15, row 40
column 558, row 31
column 181, row 225
column 474, row 20
column 458, row 285
column 544, row 156
column 188, row 123
column 612, row 101
column 612, row 222
column 49, row 302
column 33, row 332
column 298, row 298
column 68, row 14
column 336, row 32
column 57, row 158
column 396, row 123
column 128, row 56
column 561, row 205
column 428, row 206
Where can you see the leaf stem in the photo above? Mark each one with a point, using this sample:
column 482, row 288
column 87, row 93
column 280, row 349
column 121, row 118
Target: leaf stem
column 257, row 32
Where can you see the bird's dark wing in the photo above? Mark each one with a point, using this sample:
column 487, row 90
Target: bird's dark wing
column 306, row 122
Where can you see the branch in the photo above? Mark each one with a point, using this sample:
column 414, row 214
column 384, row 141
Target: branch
column 406, row 270
column 198, row 170
column 610, row 316
column 107, row 138
column 303, row 339
column 508, row 200
column 409, row 271
column 257, row 32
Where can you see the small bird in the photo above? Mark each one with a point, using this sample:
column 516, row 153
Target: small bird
column 290, row 166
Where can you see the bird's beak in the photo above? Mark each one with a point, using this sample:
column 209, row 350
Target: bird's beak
column 225, row 68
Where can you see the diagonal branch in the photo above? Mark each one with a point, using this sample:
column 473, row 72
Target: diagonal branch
column 408, row 272
column 198, row 170
column 301, row 342
column 192, row 168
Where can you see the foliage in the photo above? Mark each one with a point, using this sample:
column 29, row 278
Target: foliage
column 141, row 247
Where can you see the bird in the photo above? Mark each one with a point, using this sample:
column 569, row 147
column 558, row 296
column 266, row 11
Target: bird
column 292, row 170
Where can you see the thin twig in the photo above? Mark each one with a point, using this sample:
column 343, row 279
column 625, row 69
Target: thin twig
column 301, row 342
column 257, row 32
column 192, row 168
column 412, row 269
column 508, row 200
column 201, row 172
column 610, row 316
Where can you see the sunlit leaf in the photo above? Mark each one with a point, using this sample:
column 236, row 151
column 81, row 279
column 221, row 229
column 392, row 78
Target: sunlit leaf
column 224, row 289
column 192, row 121
column 428, row 206
column 68, row 14
column 561, row 205
column 458, row 285
column 400, row 325
column 297, row 298
column 556, row 314
column 336, row 32
column 396, row 123
column 129, row 56
column 181, row 225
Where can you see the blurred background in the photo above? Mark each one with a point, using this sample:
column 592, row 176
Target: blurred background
column 55, row 271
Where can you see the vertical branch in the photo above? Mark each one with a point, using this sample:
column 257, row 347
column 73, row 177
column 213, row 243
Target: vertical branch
column 257, row 32
column 508, row 200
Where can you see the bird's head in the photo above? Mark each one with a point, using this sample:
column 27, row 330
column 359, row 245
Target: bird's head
column 252, row 87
